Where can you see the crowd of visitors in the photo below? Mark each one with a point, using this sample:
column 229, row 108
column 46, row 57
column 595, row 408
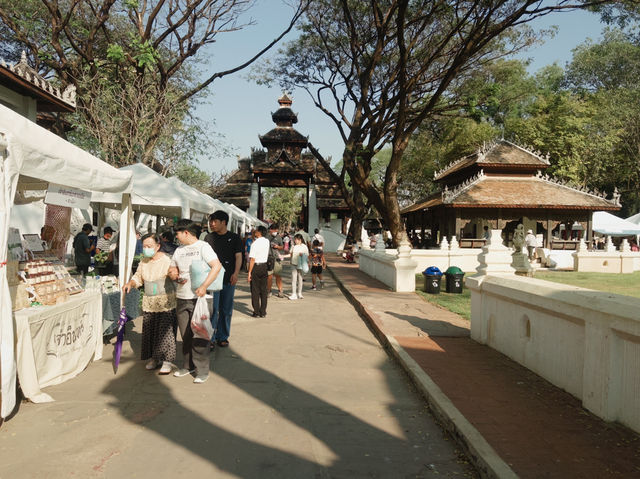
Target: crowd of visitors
column 171, row 275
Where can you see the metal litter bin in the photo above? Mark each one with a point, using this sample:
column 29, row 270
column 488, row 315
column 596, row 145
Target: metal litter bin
column 455, row 280
column 432, row 278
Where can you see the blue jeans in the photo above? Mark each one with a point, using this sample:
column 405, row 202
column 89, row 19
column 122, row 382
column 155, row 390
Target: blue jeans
column 222, row 311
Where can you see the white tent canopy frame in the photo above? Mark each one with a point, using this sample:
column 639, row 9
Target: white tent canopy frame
column 635, row 219
column 32, row 158
column 152, row 194
column 611, row 225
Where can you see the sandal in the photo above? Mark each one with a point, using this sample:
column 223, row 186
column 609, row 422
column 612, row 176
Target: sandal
column 223, row 344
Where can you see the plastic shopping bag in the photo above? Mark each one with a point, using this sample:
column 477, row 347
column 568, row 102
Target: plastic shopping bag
column 200, row 322
column 217, row 283
column 303, row 263
column 198, row 271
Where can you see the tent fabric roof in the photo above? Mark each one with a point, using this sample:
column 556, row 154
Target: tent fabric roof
column 635, row 219
column 152, row 194
column 43, row 155
column 608, row 224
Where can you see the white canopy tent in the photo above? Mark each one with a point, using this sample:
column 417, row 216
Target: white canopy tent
column 152, row 194
column 611, row 225
column 635, row 219
column 199, row 201
column 32, row 158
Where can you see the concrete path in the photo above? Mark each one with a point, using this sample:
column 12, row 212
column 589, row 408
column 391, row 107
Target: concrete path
column 306, row 392
column 511, row 422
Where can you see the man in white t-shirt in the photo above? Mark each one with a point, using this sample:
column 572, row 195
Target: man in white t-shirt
column 319, row 237
column 258, row 272
column 195, row 351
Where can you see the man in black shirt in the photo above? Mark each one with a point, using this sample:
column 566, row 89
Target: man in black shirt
column 228, row 248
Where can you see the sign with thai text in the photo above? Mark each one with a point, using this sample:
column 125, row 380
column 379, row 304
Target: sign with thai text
column 66, row 196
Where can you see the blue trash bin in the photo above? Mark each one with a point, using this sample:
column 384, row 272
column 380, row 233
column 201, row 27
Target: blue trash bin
column 432, row 277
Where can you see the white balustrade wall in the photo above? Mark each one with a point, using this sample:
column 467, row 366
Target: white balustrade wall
column 585, row 342
column 608, row 261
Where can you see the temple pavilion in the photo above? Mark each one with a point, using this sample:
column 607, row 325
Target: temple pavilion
column 284, row 163
column 500, row 186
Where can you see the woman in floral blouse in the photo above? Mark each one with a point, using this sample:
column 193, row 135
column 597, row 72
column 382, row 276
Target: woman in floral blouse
column 158, row 306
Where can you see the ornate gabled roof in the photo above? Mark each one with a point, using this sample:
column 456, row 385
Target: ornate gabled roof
column 26, row 80
column 500, row 153
column 524, row 192
column 540, row 191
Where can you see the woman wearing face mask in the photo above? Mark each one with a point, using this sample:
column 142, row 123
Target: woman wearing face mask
column 158, row 306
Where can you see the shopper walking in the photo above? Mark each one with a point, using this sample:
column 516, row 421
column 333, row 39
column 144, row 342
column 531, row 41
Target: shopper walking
column 195, row 351
column 159, row 320
column 276, row 250
column 257, row 275
column 228, row 247
column 318, row 263
column 299, row 254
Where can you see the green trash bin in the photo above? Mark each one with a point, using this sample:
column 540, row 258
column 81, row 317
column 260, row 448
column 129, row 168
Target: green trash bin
column 455, row 280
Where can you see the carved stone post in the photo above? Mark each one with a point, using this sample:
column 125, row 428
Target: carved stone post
column 405, row 281
column 380, row 248
column 495, row 257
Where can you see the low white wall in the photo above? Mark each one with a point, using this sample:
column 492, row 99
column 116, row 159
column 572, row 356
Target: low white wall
column 333, row 240
column 464, row 258
column 378, row 265
column 606, row 262
column 586, row 342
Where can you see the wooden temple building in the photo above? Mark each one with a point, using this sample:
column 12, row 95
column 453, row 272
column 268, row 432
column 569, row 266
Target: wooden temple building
column 284, row 163
column 500, row 186
column 24, row 91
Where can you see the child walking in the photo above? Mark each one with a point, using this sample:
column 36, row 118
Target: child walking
column 318, row 263
column 299, row 249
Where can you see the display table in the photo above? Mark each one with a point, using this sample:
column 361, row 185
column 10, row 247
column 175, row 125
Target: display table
column 55, row 343
column 111, row 308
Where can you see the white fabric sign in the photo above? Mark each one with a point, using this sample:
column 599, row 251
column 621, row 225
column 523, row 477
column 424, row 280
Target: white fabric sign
column 55, row 343
column 67, row 196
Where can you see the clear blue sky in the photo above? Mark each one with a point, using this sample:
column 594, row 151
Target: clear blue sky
column 242, row 110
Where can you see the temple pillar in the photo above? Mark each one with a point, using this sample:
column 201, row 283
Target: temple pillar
column 312, row 208
column 254, row 199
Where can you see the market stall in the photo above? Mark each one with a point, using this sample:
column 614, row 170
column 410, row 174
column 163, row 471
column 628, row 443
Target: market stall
column 36, row 159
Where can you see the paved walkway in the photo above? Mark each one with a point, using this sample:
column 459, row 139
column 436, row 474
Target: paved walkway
column 307, row 392
column 513, row 422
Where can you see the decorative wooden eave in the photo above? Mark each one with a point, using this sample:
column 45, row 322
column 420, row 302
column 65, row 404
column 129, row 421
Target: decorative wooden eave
column 25, row 80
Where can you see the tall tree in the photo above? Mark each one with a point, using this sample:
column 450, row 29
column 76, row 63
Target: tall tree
column 379, row 69
column 141, row 55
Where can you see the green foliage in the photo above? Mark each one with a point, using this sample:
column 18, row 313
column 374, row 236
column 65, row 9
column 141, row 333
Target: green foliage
column 131, row 4
column 190, row 174
column 283, row 205
column 115, row 53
